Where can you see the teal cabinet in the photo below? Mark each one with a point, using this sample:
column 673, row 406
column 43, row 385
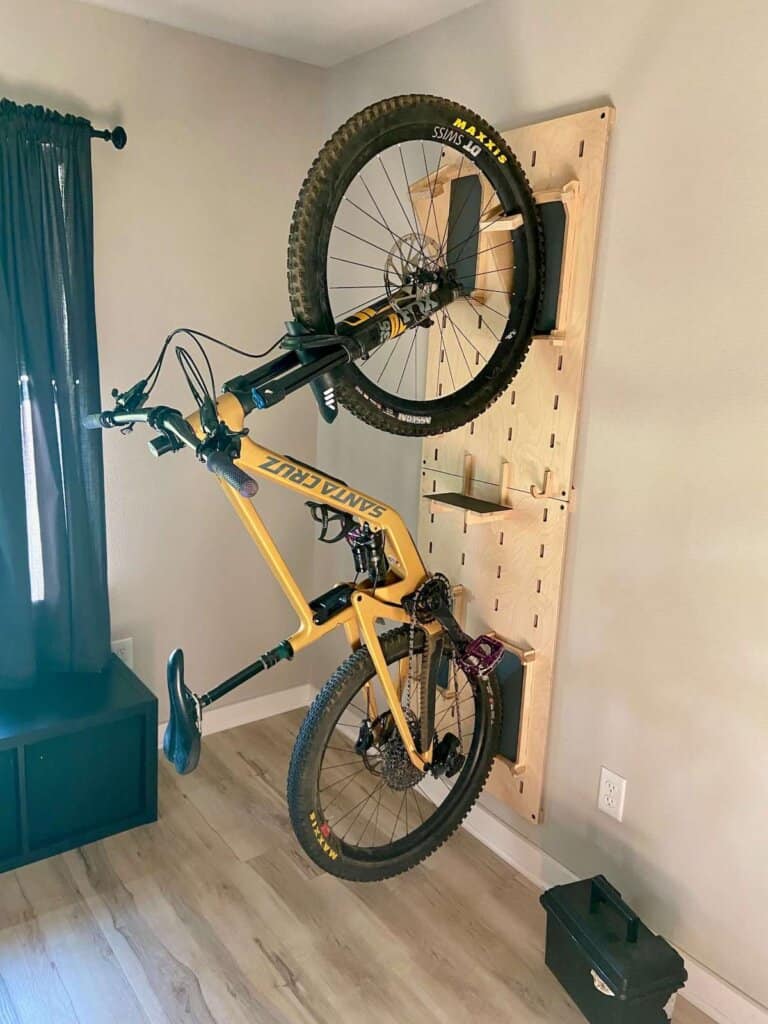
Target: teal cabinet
column 78, row 762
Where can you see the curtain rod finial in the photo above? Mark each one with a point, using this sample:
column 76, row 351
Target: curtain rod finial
column 118, row 137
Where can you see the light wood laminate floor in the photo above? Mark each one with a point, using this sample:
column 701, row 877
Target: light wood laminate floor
column 214, row 916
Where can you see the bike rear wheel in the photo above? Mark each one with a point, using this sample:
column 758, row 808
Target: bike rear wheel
column 368, row 817
column 371, row 224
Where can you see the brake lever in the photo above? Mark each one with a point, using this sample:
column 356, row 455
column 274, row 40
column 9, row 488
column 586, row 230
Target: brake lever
column 209, row 419
column 131, row 400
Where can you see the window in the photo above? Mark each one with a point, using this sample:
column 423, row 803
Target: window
column 34, row 532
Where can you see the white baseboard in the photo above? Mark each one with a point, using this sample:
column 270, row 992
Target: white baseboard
column 715, row 997
column 227, row 716
column 704, row 989
column 524, row 856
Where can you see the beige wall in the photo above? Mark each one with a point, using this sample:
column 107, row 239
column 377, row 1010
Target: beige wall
column 663, row 647
column 191, row 229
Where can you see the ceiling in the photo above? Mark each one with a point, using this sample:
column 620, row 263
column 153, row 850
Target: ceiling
column 322, row 32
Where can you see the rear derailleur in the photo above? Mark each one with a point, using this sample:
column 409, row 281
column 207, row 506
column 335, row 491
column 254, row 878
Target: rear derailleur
column 447, row 758
column 394, row 763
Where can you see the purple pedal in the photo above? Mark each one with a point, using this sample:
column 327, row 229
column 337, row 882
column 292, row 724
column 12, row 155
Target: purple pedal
column 481, row 655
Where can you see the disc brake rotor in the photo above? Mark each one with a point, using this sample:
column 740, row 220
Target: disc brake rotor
column 412, row 264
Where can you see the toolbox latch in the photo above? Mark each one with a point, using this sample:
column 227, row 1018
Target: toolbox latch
column 600, row 985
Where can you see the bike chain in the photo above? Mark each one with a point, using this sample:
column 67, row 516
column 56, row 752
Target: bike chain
column 456, row 708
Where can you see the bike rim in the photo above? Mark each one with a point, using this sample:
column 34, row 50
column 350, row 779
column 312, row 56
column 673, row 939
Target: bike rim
column 380, row 230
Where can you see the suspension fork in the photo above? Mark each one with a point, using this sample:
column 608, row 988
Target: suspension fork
column 315, row 358
column 388, row 318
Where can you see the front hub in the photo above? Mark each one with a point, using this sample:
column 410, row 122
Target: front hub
column 412, row 277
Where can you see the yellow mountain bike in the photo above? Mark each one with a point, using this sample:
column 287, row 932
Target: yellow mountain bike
column 386, row 242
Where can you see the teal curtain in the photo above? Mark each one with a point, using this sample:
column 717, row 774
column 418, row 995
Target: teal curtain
column 54, row 615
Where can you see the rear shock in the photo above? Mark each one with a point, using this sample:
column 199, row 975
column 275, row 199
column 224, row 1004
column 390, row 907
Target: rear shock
column 368, row 553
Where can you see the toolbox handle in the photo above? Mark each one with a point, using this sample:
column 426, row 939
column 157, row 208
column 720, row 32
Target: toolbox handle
column 603, row 892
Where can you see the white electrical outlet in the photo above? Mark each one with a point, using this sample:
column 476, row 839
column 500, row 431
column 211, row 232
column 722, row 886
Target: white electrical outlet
column 610, row 797
column 124, row 650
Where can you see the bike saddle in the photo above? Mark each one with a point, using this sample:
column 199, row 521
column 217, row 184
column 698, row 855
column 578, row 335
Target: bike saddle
column 181, row 742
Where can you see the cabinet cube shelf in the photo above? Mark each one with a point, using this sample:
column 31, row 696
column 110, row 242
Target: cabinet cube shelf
column 78, row 762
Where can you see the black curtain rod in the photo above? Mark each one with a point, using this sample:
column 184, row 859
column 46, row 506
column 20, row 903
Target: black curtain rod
column 117, row 136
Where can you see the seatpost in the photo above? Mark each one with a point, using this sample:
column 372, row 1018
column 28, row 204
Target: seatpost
column 283, row 652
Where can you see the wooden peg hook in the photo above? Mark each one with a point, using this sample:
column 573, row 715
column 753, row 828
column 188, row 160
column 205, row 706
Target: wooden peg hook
column 545, row 489
column 505, row 484
column 466, row 476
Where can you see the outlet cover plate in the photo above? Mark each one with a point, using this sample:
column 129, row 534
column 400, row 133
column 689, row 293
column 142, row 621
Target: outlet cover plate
column 124, row 650
column 612, row 793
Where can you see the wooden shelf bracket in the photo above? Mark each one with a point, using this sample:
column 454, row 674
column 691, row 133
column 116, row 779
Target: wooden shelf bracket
column 474, row 510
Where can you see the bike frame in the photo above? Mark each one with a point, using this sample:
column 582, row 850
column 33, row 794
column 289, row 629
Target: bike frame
column 367, row 606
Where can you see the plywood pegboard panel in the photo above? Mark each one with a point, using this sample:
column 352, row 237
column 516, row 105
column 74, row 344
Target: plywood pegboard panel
column 511, row 568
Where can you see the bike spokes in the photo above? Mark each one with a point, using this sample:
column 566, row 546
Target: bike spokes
column 369, row 792
column 392, row 239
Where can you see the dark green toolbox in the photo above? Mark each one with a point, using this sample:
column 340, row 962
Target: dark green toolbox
column 613, row 967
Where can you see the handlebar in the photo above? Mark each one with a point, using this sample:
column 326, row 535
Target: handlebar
column 224, row 468
column 178, row 433
column 93, row 421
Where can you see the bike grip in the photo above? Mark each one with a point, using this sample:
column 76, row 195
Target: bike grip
column 226, row 470
column 93, row 421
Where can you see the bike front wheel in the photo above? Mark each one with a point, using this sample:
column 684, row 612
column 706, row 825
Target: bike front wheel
column 413, row 195
column 370, row 815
